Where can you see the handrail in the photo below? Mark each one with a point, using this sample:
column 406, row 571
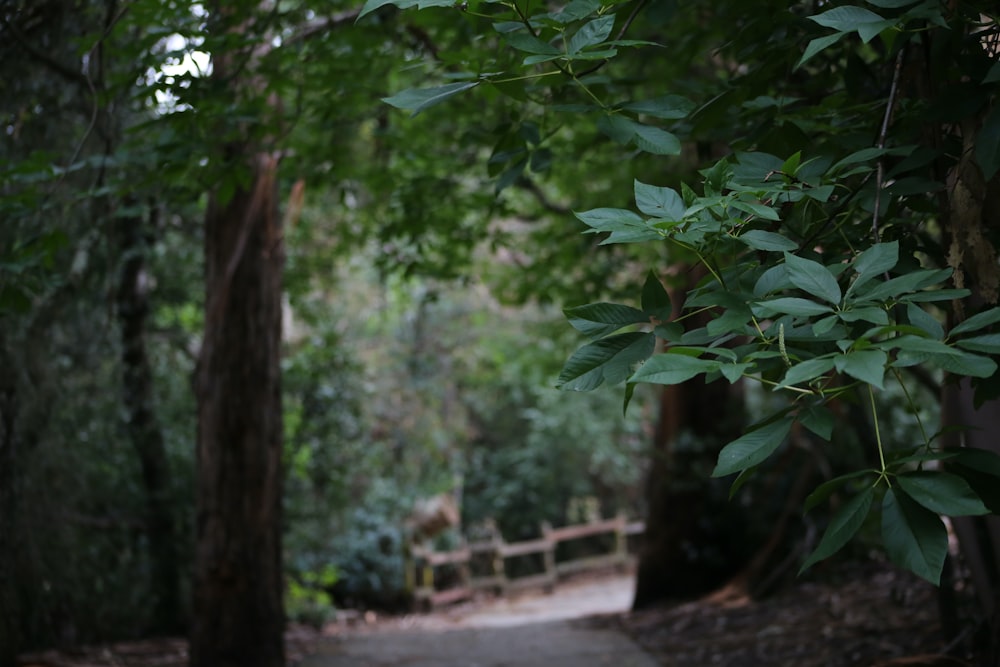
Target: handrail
column 420, row 570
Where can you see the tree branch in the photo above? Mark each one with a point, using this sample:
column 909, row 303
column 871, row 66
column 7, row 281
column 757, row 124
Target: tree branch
column 43, row 58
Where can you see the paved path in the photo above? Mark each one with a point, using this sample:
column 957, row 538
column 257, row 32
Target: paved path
column 535, row 631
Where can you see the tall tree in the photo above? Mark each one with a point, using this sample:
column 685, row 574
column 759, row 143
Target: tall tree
column 238, row 605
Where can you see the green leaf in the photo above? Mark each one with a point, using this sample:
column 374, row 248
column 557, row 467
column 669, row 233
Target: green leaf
column 874, row 261
column 416, row 100
column 908, row 282
column 988, row 145
column 824, row 490
column 865, row 365
column 844, row 524
column 607, row 360
column 921, row 319
column 659, row 202
column 755, row 209
column 806, row 371
column 576, row 10
column 667, row 107
column 591, row 34
column 656, row 141
column 817, row 45
column 525, row 41
column 752, row 448
column 942, row 492
column 873, row 314
column 600, row 319
column 624, row 225
column 848, row 19
column 733, row 372
column 673, row 368
column 791, row 305
column 978, row 321
column 813, row 278
column 983, row 460
column 819, row 420
column 914, row 537
column 760, row 240
column 656, row 300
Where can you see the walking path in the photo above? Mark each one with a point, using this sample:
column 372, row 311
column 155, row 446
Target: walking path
column 534, row 631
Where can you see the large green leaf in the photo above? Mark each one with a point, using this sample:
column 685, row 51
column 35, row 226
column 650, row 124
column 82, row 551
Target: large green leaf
column 667, row 107
column 525, row 41
column 849, row 19
column 816, row 45
column 813, row 278
column 758, row 239
column 418, row 99
column 865, row 365
column 600, row 319
column 658, row 202
column 624, row 226
column 978, row 321
column 844, row 524
column 819, row 420
column 607, row 360
column 824, row 490
column 656, row 300
column 908, row 282
column 914, row 536
column 807, row 371
column 592, row 33
column 752, row 448
column 673, row 368
column 792, row 305
column 988, row 343
column 942, row 492
column 656, row 141
column 874, row 261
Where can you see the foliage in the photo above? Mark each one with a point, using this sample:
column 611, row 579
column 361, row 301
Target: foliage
column 833, row 250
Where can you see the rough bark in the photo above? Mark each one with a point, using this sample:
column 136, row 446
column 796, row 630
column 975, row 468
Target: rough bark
column 144, row 430
column 979, row 537
column 238, row 612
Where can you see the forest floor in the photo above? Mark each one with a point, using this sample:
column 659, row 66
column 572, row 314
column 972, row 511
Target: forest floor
column 862, row 615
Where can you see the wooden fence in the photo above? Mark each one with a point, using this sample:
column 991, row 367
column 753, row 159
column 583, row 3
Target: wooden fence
column 496, row 551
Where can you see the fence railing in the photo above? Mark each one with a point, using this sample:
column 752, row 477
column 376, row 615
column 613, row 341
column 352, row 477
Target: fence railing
column 495, row 552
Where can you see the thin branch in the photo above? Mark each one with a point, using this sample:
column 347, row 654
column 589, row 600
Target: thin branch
column 883, row 133
column 59, row 68
column 543, row 199
column 321, row 26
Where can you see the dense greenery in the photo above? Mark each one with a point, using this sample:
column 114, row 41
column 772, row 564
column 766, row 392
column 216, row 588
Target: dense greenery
column 795, row 198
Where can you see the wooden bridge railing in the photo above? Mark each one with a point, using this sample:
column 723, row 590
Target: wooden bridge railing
column 496, row 551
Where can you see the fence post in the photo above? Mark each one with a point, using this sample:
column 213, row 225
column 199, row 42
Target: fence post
column 549, row 555
column 621, row 542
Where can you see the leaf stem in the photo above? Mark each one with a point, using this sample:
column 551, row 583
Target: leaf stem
column 878, row 434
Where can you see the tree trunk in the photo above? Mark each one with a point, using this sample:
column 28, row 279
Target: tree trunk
column 238, row 612
column 971, row 217
column 978, row 536
column 684, row 517
column 10, row 618
column 143, row 428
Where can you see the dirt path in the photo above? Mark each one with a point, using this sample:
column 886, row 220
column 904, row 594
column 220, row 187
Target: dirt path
column 530, row 631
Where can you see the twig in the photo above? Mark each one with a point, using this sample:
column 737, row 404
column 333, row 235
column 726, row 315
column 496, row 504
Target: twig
column 886, row 119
